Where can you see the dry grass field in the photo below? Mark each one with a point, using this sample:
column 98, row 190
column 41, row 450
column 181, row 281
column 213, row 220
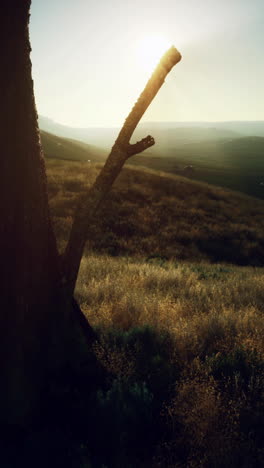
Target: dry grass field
column 172, row 281
column 207, row 308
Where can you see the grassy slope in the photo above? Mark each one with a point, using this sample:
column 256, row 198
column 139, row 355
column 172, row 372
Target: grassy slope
column 233, row 162
column 63, row 148
column 187, row 390
column 150, row 213
column 236, row 163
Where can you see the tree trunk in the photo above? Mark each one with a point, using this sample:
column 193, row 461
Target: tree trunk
column 36, row 304
column 29, row 269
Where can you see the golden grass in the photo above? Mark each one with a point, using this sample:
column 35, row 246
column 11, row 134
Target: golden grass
column 209, row 316
column 210, row 313
column 207, row 308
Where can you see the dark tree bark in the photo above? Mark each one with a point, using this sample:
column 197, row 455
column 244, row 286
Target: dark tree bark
column 37, row 308
column 29, row 269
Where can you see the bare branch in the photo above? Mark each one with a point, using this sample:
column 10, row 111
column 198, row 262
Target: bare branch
column 168, row 60
column 120, row 152
column 140, row 146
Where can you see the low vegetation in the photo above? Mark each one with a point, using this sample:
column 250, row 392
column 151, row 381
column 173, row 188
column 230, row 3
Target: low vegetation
column 189, row 337
column 207, row 308
column 179, row 372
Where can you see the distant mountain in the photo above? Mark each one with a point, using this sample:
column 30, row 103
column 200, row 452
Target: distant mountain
column 170, row 137
column 101, row 137
column 64, row 148
column 167, row 134
column 250, row 128
column 245, row 128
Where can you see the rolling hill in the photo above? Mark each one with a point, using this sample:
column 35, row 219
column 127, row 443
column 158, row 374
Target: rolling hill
column 185, row 335
column 64, row 148
column 219, row 155
column 234, row 163
column 155, row 214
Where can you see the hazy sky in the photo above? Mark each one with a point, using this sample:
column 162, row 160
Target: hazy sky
column 91, row 59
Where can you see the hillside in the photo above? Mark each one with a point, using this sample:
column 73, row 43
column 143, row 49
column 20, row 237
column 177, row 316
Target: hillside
column 235, row 163
column 74, row 150
column 219, row 156
column 156, row 214
column 225, row 153
column 181, row 339
column 247, row 152
column 101, row 137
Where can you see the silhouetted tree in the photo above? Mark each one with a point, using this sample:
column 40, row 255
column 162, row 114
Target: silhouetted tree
column 29, row 271
column 36, row 300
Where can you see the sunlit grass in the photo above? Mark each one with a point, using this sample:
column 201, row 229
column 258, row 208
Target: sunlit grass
column 210, row 322
column 206, row 308
column 168, row 229
column 179, row 333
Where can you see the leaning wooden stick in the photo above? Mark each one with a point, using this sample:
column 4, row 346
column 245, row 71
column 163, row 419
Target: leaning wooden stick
column 120, row 152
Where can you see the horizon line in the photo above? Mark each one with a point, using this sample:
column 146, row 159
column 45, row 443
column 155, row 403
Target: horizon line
column 152, row 122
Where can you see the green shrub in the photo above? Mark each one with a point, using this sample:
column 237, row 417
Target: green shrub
column 241, row 364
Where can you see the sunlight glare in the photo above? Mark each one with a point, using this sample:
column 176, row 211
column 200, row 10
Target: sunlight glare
column 151, row 49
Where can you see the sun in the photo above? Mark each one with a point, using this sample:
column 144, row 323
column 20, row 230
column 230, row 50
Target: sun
column 151, row 48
